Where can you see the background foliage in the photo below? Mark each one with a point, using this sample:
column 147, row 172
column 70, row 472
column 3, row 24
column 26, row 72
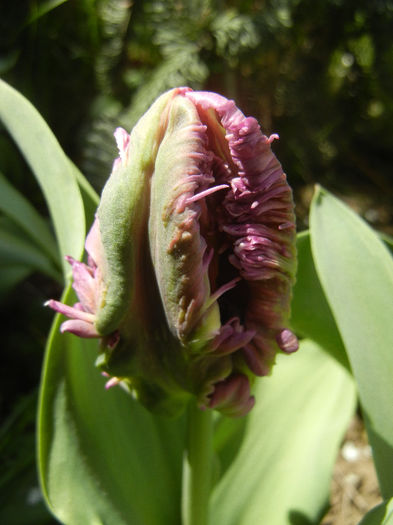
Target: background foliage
column 318, row 72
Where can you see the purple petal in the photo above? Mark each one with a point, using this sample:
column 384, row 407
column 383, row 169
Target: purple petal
column 95, row 248
column 259, row 221
column 232, row 396
column 122, row 141
column 84, row 284
column 69, row 311
column 79, row 328
column 287, row 341
column 231, row 337
column 113, row 381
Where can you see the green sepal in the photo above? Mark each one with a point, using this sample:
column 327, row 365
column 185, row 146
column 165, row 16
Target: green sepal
column 147, row 374
column 123, row 214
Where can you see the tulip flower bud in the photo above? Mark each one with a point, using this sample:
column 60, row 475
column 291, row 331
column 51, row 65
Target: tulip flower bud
column 191, row 258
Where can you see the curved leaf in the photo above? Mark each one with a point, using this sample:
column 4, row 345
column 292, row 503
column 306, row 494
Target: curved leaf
column 11, row 275
column 382, row 514
column 39, row 10
column 15, row 206
column 17, row 249
column 103, row 458
column 281, row 474
column 311, row 314
column 51, row 167
column 356, row 272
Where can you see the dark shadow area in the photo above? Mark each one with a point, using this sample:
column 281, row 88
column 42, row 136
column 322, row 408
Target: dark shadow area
column 298, row 518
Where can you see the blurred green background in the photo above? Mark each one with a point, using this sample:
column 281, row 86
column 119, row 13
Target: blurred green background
column 318, row 72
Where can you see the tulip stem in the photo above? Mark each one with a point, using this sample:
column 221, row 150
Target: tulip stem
column 197, row 466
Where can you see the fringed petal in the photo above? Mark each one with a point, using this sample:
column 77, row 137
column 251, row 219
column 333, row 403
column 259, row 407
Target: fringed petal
column 231, row 337
column 84, row 284
column 79, row 328
column 287, row 341
column 232, row 396
column 69, row 311
column 258, row 219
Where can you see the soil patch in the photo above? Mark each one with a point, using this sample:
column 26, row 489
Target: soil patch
column 354, row 489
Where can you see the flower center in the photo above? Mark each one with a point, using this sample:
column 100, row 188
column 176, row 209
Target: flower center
column 224, row 277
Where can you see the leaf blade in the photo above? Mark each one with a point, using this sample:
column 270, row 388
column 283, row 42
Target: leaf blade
column 292, row 433
column 50, row 166
column 101, row 449
column 382, row 514
column 311, row 316
column 17, row 250
column 356, row 272
column 15, row 206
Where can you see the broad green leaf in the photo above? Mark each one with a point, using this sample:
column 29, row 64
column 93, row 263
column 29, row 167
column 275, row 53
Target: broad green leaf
column 281, row 474
column 103, row 458
column 356, row 272
column 51, row 167
column 382, row 514
column 311, row 315
column 16, row 249
column 11, row 275
column 40, row 9
column 228, row 437
column 15, row 206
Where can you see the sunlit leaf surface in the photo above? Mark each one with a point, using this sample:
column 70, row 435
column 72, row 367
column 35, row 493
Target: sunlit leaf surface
column 356, row 272
column 311, row 315
column 281, row 474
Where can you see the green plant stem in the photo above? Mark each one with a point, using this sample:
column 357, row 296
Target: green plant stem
column 197, row 467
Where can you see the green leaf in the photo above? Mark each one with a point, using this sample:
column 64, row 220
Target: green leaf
column 17, row 250
column 41, row 9
column 311, row 315
column 15, row 206
column 382, row 514
column 11, row 275
column 51, row 167
column 281, row 474
column 103, row 458
column 356, row 272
